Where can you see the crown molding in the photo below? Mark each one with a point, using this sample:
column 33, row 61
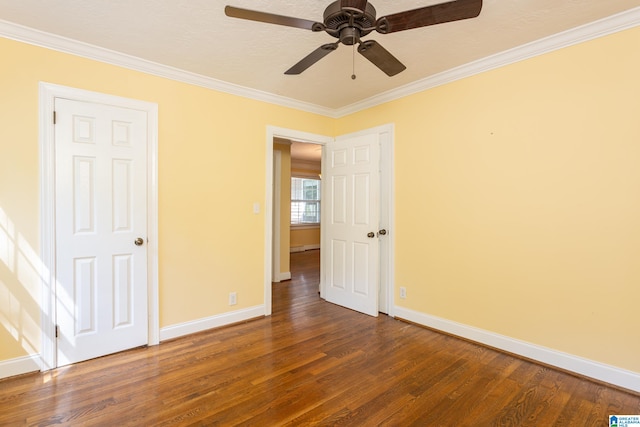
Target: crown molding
column 610, row 25
column 613, row 24
column 39, row 38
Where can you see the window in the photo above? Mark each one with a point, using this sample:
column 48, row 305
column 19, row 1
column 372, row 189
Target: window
column 305, row 201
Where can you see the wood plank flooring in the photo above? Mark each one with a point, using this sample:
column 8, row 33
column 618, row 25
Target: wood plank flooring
column 311, row 363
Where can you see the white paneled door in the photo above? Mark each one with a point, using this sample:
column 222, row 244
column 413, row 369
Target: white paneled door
column 100, row 210
column 351, row 219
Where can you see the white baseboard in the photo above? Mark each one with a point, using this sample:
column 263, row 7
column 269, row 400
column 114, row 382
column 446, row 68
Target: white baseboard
column 281, row 277
column 20, row 365
column 26, row 364
column 181, row 329
column 588, row 368
column 303, row 248
column 284, row 276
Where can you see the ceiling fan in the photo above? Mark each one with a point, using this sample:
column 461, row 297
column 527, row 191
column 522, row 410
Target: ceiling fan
column 349, row 20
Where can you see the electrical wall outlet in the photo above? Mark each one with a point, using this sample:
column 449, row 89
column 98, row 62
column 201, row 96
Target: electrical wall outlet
column 403, row 292
column 233, row 298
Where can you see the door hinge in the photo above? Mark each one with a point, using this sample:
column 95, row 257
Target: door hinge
column 57, row 331
column 54, row 117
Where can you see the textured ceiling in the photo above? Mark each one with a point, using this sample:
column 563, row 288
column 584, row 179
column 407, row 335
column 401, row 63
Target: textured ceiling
column 196, row 36
column 306, row 152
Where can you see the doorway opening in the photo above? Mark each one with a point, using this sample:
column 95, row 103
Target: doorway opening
column 296, row 200
column 302, row 289
column 273, row 214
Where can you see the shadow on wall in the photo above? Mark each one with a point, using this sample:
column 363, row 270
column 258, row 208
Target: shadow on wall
column 20, row 292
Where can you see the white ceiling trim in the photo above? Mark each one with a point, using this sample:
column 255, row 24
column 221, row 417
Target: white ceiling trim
column 28, row 35
column 594, row 30
column 610, row 25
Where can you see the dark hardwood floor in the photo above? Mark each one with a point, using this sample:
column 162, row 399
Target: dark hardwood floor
column 311, row 363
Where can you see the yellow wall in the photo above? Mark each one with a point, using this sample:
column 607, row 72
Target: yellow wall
column 285, row 206
column 210, row 244
column 305, row 237
column 518, row 203
column 517, row 199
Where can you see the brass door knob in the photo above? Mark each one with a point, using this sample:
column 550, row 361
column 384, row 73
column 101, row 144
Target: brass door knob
column 139, row 241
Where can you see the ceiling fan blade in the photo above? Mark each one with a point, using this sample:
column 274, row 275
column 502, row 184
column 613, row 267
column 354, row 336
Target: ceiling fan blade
column 312, row 58
column 269, row 18
column 359, row 5
column 429, row 15
column 380, row 57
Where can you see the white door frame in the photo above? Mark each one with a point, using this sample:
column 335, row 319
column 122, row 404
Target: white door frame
column 277, row 132
column 386, row 133
column 48, row 92
column 387, row 218
column 277, row 190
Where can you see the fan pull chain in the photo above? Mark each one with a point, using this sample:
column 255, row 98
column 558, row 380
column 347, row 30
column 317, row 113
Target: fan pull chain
column 353, row 68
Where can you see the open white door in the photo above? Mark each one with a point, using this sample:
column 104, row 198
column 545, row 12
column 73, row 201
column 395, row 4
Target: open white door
column 351, row 183
column 101, row 229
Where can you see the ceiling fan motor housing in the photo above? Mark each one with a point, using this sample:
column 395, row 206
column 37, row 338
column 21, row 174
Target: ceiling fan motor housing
column 349, row 24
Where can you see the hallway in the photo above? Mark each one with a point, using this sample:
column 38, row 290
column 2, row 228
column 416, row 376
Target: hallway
column 304, row 284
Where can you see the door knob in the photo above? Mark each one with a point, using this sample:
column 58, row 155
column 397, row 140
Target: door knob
column 139, row 241
column 371, row 234
column 382, row 232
